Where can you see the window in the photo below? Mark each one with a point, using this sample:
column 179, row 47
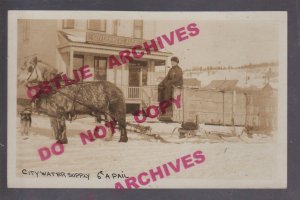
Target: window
column 138, row 29
column 144, row 75
column 78, row 61
column 97, row 25
column 68, row 23
column 100, row 66
column 26, row 30
column 115, row 27
column 134, row 77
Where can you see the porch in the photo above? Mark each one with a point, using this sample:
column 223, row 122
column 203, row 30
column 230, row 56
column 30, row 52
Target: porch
column 142, row 95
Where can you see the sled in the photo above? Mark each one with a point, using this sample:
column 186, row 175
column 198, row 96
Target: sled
column 212, row 133
column 145, row 130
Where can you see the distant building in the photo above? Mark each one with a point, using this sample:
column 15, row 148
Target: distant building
column 246, row 76
column 222, row 85
column 191, row 83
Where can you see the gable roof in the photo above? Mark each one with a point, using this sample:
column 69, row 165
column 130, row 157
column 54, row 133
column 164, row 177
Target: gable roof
column 224, row 85
column 191, row 82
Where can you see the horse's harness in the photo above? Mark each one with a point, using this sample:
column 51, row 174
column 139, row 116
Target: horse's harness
column 95, row 112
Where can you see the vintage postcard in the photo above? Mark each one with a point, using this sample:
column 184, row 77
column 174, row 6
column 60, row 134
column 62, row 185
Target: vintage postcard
column 137, row 100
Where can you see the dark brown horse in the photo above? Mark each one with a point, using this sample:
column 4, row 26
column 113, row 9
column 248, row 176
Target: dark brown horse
column 97, row 98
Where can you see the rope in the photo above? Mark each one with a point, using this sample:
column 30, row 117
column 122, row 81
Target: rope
column 89, row 107
column 34, row 69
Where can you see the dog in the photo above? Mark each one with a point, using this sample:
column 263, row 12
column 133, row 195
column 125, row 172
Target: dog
column 25, row 122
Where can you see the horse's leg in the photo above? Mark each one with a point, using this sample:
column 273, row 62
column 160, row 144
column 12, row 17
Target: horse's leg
column 121, row 119
column 55, row 127
column 118, row 114
column 122, row 128
column 62, row 131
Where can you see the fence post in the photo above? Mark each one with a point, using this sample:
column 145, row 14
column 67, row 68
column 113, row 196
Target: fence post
column 223, row 92
column 233, row 106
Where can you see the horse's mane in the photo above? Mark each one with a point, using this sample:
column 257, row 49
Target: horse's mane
column 42, row 69
column 45, row 66
column 47, row 71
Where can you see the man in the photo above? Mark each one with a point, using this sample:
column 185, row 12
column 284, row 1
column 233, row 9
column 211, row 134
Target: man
column 25, row 122
column 174, row 78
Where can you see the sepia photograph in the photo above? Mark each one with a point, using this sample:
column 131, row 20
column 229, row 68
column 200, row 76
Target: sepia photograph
column 137, row 100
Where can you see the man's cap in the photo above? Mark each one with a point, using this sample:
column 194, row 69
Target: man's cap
column 175, row 59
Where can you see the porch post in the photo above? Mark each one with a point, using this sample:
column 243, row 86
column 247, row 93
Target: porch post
column 122, row 72
column 150, row 72
column 70, row 71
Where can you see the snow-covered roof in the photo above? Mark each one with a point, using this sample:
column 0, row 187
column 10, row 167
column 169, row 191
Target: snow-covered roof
column 73, row 35
column 191, row 82
column 225, row 85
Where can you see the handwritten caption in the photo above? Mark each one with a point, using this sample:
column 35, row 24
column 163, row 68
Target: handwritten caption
column 78, row 175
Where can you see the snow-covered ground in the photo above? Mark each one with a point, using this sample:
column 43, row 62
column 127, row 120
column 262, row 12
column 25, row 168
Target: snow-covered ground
column 230, row 159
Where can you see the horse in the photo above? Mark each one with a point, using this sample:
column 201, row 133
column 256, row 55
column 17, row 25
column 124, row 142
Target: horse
column 96, row 98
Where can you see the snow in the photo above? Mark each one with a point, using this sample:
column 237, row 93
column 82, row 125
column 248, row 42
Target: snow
column 256, row 77
column 228, row 159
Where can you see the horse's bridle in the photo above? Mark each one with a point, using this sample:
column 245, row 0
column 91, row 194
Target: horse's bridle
column 74, row 99
column 33, row 70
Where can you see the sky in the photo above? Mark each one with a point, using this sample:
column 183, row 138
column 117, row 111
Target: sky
column 224, row 43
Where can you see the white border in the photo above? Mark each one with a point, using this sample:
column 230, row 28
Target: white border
column 281, row 17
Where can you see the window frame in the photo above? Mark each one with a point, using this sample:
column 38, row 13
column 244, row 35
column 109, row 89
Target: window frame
column 65, row 24
column 26, row 30
column 96, row 73
column 141, row 26
column 78, row 56
column 105, row 25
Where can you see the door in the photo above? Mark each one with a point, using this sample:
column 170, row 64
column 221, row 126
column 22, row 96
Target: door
column 134, row 81
column 134, row 76
column 138, row 73
column 100, row 68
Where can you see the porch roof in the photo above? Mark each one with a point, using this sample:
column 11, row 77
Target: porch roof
column 77, row 38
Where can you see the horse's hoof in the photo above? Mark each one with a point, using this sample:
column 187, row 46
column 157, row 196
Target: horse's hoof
column 62, row 141
column 123, row 139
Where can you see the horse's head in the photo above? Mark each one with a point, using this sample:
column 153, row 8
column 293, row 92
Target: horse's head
column 29, row 72
column 35, row 71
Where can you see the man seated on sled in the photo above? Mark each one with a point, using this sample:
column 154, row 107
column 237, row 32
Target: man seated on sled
column 173, row 79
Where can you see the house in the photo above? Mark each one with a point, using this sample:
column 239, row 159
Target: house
column 70, row 44
column 222, row 85
column 191, row 83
